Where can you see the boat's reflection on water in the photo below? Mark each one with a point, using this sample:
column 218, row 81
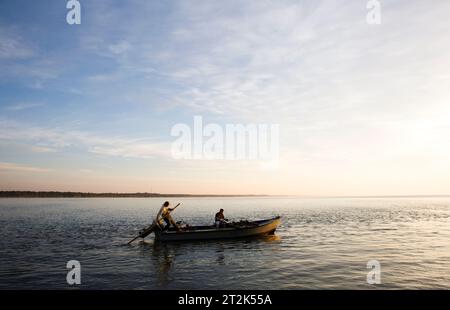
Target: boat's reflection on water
column 163, row 255
column 163, row 258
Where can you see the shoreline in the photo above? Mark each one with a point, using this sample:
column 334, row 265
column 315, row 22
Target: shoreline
column 57, row 194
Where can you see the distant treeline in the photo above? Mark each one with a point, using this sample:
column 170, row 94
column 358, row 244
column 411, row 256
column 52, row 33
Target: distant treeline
column 52, row 194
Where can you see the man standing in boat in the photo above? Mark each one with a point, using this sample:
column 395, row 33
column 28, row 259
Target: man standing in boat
column 220, row 219
column 164, row 212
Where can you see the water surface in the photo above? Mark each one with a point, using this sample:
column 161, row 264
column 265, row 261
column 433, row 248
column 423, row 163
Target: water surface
column 321, row 244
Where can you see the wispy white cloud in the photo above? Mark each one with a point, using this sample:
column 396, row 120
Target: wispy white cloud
column 22, row 59
column 12, row 45
column 42, row 149
column 51, row 139
column 24, row 106
column 20, row 168
column 119, row 47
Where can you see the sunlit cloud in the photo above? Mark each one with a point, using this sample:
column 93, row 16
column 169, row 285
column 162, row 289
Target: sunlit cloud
column 12, row 167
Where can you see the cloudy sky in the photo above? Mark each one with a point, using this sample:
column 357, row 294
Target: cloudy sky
column 362, row 109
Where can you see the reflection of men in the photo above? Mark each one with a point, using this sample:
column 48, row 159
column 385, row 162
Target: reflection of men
column 220, row 220
column 164, row 212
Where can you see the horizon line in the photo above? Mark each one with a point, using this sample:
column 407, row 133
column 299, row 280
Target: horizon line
column 44, row 194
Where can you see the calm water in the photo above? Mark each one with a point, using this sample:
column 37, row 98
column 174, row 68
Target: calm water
column 322, row 243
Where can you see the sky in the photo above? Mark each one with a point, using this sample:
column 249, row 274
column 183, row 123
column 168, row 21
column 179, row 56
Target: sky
column 362, row 109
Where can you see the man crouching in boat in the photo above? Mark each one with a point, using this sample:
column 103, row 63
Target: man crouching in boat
column 220, row 220
column 164, row 212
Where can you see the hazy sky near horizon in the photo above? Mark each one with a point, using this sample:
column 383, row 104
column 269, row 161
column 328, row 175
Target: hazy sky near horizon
column 362, row 109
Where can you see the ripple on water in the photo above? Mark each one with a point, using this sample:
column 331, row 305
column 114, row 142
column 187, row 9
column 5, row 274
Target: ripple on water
column 322, row 243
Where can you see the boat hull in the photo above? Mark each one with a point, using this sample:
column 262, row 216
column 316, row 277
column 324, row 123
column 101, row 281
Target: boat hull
column 258, row 228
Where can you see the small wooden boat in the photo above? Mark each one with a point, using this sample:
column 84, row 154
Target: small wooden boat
column 233, row 230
